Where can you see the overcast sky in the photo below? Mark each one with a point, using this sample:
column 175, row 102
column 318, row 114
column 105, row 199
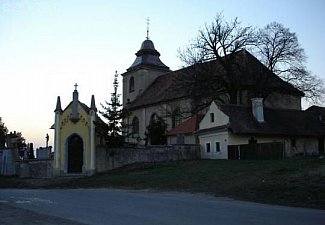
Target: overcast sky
column 47, row 46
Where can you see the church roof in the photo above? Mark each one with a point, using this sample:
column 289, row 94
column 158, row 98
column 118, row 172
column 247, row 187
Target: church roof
column 167, row 87
column 276, row 122
column 315, row 108
column 148, row 56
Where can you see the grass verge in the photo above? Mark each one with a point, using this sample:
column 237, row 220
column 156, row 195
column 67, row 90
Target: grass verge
column 298, row 182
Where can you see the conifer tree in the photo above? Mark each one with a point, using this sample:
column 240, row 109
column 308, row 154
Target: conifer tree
column 114, row 114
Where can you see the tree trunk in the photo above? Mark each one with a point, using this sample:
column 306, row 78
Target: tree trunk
column 233, row 97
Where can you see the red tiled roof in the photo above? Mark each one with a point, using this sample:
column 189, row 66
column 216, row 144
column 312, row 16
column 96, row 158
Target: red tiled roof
column 188, row 126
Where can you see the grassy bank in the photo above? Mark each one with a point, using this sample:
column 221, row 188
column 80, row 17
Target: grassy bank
column 299, row 182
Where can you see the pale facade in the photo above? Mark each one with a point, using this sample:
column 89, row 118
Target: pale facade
column 136, row 81
column 75, row 139
column 216, row 135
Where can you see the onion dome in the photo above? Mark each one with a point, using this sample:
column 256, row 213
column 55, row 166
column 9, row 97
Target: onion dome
column 148, row 56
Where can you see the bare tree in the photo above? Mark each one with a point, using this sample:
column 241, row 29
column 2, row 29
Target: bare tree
column 280, row 51
column 216, row 43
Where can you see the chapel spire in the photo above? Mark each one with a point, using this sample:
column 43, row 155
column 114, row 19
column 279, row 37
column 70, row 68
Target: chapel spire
column 92, row 103
column 58, row 107
column 75, row 101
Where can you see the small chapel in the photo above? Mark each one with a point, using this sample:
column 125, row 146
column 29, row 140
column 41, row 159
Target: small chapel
column 74, row 137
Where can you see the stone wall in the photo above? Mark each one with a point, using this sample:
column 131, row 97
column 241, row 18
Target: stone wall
column 44, row 153
column 36, row 168
column 7, row 161
column 108, row 159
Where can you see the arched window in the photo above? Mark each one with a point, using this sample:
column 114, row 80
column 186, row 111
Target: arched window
column 135, row 126
column 176, row 118
column 153, row 117
column 131, row 84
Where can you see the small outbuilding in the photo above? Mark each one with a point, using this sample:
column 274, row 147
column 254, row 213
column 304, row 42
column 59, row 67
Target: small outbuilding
column 243, row 132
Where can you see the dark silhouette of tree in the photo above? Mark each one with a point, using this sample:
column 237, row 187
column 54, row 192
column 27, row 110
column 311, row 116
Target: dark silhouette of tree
column 217, row 44
column 113, row 113
column 216, row 72
column 20, row 141
column 278, row 48
column 157, row 131
column 3, row 133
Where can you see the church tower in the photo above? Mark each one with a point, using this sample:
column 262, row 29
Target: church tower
column 145, row 69
column 75, row 138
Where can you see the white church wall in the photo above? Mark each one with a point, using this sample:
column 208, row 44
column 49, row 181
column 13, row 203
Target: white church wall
column 142, row 79
column 162, row 110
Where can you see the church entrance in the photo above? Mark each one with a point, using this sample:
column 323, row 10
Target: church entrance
column 75, row 154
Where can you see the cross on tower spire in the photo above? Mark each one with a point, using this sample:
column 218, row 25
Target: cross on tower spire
column 148, row 23
column 75, row 86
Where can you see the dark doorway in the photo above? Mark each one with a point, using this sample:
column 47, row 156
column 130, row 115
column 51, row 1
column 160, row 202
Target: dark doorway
column 75, row 154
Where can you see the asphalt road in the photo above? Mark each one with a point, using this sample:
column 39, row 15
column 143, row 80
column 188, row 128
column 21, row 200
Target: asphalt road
column 121, row 207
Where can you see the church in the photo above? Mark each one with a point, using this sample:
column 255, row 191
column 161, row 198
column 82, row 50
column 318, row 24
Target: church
column 151, row 90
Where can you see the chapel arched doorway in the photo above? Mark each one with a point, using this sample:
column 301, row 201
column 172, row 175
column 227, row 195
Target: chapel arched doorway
column 75, row 154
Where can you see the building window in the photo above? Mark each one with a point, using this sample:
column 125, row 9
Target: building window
column 135, row 126
column 211, row 117
column 176, row 118
column 217, row 146
column 131, row 84
column 153, row 118
column 293, row 143
column 208, row 147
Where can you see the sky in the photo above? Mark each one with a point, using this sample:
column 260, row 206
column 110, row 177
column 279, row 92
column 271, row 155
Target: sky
column 47, row 46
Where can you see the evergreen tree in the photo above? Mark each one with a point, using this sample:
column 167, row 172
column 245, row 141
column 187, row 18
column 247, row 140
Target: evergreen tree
column 3, row 133
column 114, row 114
column 157, row 131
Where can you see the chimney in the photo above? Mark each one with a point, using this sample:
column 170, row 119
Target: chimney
column 257, row 109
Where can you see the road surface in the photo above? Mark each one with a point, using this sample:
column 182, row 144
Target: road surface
column 122, row 207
